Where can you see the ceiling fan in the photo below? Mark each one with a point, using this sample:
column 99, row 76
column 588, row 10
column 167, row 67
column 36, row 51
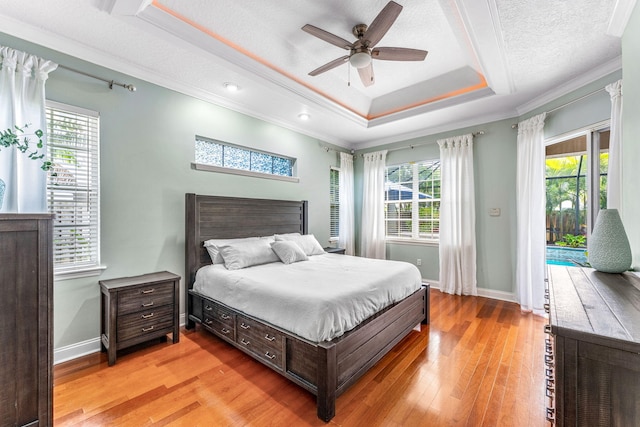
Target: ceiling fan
column 362, row 51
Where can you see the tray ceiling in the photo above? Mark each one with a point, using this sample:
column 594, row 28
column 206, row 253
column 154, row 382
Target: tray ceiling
column 487, row 60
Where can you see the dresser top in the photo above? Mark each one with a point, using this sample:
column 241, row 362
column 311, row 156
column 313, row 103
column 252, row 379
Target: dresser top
column 144, row 279
column 602, row 308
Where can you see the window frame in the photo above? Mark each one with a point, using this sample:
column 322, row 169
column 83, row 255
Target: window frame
column 415, row 238
column 244, row 172
column 92, row 267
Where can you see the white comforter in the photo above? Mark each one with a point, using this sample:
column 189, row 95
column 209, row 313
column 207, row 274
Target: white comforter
column 319, row 299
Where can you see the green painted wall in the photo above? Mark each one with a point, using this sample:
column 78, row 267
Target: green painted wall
column 147, row 146
column 631, row 133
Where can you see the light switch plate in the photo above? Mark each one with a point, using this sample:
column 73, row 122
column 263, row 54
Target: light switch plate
column 494, row 212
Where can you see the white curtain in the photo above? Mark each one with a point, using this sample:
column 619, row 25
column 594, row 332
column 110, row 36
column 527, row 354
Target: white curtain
column 457, row 217
column 22, row 101
column 345, row 189
column 614, row 174
column 372, row 240
column 531, row 202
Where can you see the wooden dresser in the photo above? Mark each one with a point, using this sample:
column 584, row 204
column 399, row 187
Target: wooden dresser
column 593, row 349
column 26, row 332
column 138, row 309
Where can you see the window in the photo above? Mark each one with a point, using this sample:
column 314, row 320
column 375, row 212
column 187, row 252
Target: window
column 334, row 203
column 232, row 158
column 412, row 201
column 73, row 147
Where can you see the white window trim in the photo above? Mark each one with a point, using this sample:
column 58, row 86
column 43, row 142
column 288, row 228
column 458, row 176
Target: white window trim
column 242, row 172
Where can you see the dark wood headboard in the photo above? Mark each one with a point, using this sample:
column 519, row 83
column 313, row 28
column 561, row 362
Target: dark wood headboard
column 215, row 217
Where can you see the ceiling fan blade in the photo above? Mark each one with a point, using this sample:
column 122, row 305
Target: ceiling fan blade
column 329, row 65
column 398, row 54
column 382, row 23
column 366, row 75
column 327, row 36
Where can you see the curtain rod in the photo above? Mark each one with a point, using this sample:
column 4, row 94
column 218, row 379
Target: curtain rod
column 129, row 87
column 480, row 132
column 515, row 126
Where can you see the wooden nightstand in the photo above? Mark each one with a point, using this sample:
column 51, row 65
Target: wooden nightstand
column 138, row 309
column 331, row 250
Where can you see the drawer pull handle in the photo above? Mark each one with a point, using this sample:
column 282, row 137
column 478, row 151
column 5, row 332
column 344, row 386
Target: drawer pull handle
column 225, row 331
column 548, row 359
column 547, row 307
column 244, row 326
column 149, row 304
column 269, row 355
column 150, row 328
column 208, row 321
column 551, row 414
column 244, row 342
column 147, row 316
column 225, row 316
column 208, row 307
column 148, row 291
column 547, row 329
column 269, row 338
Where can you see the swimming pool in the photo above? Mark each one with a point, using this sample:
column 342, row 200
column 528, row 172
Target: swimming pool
column 558, row 255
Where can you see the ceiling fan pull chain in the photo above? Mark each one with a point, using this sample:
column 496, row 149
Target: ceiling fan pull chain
column 348, row 76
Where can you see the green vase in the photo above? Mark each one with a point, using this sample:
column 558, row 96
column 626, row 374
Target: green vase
column 609, row 249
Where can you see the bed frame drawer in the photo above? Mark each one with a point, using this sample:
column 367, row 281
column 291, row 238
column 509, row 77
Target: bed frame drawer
column 263, row 341
column 218, row 313
column 223, row 330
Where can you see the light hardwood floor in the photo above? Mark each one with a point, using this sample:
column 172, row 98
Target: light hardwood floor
column 479, row 363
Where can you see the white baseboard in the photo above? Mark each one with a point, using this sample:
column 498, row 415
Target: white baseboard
column 482, row 292
column 73, row 351
column 83, row 348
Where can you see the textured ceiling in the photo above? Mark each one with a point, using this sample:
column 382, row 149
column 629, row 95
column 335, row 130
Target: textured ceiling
column 487, row 60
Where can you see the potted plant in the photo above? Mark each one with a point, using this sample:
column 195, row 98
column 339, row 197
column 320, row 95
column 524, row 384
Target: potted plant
column 17, row 138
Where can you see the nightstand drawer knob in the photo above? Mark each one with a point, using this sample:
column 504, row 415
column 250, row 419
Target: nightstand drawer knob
column 244, row 326
column 147, row 316
column 225, row 316
column 208, row 321
column 269, row 355
column 148, row 291
column 150, row 328
column 225, row 331
column 244, row 342
column 149, row 304
column 208, row 307
column 269, row 337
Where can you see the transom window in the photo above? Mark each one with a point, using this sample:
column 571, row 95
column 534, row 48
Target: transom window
column 224, row 155
column 412, row 201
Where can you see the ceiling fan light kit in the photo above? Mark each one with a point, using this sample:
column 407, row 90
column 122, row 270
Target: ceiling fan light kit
column 362, row 51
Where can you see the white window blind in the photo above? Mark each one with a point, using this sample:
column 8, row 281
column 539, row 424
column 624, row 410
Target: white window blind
column 334, row 203
column 73, row 147
column 412, row 201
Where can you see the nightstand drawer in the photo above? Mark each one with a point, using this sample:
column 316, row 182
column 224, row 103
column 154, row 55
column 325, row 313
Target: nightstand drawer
column 145, row 322
column 145, row 297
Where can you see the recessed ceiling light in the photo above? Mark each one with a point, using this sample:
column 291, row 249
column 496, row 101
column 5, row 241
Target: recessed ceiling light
column 304, row 116
column 231, row 87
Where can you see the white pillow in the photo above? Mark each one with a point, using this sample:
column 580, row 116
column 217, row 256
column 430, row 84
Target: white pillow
column 307, row 243
column 213, row 245
column 245, row 254
column 288, row 251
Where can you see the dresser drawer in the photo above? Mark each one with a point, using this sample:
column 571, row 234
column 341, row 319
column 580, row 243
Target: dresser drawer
column 146, row 322
column 145, row 297
column 261, row 340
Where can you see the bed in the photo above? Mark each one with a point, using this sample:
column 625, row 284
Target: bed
column 324, row 368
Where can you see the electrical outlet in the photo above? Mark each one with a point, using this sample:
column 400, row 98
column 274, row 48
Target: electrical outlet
column 419, row 261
